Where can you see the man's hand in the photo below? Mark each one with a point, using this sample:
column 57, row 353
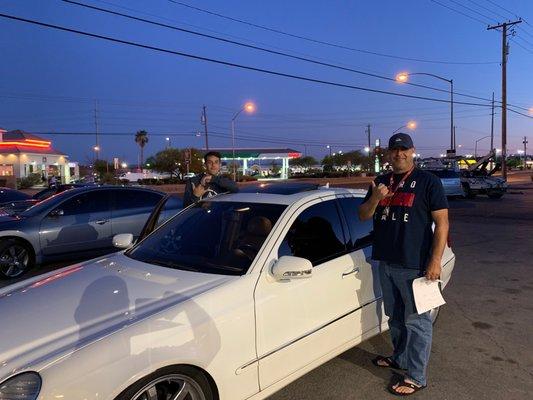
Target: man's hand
column 433, row 271
column 199, row 190
column 380, row 192
column 205, row 180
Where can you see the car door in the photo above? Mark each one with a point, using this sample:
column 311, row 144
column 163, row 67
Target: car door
column 368, row 286
column 301, row 320
column 131, row 209
column 80, row 223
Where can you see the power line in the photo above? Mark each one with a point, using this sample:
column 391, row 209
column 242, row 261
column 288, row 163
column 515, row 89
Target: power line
column 472, row 10
column 230, row 64
column 459, row 12
column 321, row 41
column 504, row 9
column 487, row 9
column 313, row 61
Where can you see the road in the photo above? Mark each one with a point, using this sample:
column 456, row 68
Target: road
column 483, row 341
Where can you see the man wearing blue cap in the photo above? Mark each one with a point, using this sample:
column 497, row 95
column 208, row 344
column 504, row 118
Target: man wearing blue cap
column 404, row 204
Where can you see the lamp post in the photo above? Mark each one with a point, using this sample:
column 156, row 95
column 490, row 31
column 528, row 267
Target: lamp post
column 403, row 77
column 475, row 146
column 329, row 148
column 168, row 142
column 410, row 125
column 249, row 107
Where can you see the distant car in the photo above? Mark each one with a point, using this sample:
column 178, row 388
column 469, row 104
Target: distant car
column 137, row 176
column 451, row 181
column 479, row 178
column 189, row 175
column 76, row 223
column 232, row 298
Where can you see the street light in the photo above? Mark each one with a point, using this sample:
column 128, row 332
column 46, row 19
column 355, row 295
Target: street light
column 475, row 146
column 367, row 149
column 249, row 107
column 329, row 148
column 168, row 142
column 96, row 150
column 124, row 165
column 403, row 77
column 410, row 125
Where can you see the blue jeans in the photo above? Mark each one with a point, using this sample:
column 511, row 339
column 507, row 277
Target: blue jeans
column 410, row 333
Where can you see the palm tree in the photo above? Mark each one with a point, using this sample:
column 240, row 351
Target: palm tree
column 141, row 138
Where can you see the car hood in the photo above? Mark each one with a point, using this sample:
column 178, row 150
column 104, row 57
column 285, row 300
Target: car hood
column 59, row 312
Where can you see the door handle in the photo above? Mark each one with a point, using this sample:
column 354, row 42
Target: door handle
column 353, row 271
column 102, row 221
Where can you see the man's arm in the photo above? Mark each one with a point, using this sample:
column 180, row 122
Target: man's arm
column 225, row 183
column 368, row 208
column 440, row 236
column 189, row 197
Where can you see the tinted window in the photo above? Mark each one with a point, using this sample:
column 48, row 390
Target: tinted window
column 125, row 199
column 316, row 234
column 359, row 230
column 171, row 207
column 210, row 237
column 92, row 202
column 12, row 195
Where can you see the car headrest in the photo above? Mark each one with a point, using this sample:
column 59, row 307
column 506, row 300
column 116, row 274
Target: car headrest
column 260, row 226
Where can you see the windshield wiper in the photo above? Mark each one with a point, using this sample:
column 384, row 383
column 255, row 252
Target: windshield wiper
column 170, row 264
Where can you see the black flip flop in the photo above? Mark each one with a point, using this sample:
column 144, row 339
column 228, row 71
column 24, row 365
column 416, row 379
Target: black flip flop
column 390, row 362
column 404, row 384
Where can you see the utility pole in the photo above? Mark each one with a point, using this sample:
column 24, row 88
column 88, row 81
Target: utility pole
column 96, row 146
column 492, row 126
column 368, row 132
column 525, row 152
column 204, row 122
column 505, row 52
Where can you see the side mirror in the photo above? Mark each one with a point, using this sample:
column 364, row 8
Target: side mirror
column 123, row 240
column 57, row 213
column 289, row 267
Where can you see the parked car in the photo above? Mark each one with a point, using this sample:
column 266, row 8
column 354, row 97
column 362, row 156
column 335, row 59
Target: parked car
column 480, row 179
column 451, row 181
column 7, row 195
column 138, row 176
column 79, row 222
column 232, row 298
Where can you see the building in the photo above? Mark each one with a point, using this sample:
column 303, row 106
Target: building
column 253, row 161
column 23, row 154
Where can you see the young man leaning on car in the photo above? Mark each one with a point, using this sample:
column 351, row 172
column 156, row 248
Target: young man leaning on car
column 209, row 183
column 404, row 204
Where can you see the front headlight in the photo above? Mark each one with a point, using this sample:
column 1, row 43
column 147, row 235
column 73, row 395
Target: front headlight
column 25, row 386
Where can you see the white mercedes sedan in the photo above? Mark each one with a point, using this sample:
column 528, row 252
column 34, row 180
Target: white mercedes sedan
column 232, row 298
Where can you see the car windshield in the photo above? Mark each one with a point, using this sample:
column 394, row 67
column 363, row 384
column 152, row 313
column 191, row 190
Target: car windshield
column 215, row 237
column 445, row 173
column 45, row 204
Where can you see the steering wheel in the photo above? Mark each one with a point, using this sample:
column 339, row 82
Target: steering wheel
column 246, row 250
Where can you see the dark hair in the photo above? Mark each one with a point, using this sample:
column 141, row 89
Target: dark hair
column 212, row 153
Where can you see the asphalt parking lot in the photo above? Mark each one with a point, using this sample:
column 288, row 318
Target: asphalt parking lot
column 483, row 340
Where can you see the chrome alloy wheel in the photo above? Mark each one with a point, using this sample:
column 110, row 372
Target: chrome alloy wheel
column 14, row 260
column 171, row 387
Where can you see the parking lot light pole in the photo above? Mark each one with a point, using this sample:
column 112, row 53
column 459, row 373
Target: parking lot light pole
column 475, row 146
column 403, row 77
column 410, row 125
column 249, row 107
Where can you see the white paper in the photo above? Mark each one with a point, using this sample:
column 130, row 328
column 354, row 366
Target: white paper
column 427, row 295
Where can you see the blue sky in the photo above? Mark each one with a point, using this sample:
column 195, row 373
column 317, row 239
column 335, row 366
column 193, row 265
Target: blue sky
column 51, row 78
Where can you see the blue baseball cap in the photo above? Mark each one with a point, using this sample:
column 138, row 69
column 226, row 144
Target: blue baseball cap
column 400, row 140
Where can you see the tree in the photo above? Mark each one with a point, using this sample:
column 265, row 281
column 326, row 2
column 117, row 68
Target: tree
column 304, row 162
column 141, row 138
column 167, row 161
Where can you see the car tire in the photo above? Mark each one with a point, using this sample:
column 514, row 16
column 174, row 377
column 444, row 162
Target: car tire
column 434, row 314
column 16, row 258
column 468, row 193
column 495, row 194
column 165, row 383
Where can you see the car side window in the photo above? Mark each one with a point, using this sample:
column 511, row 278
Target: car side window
column 316, row 234
column 126, row 199
column 360, row 231
column 84, row 203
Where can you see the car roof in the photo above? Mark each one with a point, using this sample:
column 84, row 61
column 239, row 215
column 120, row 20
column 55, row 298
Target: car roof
column 80, row 189
column 285, row 193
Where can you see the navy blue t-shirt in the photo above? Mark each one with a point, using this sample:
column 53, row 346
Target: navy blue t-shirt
column 403, row 233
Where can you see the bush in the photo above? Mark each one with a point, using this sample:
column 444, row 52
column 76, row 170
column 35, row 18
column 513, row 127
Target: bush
column 29, row 181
